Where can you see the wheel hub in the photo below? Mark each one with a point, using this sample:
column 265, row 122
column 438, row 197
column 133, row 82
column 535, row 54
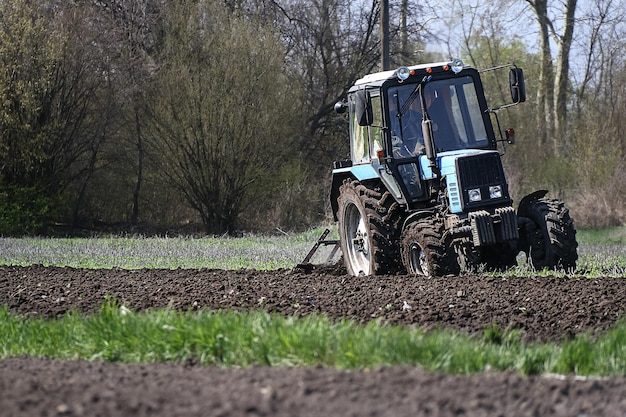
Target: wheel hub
column 359, row 242
column 418, row 260
column 357, row 236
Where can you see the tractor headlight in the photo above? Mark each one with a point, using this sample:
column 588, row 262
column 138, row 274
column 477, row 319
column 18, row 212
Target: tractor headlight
column 402, row 73
column 495, row 191
column 457, row 66
column 474, row 195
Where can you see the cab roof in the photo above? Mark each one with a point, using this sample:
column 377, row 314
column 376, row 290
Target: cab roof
column 420, row 69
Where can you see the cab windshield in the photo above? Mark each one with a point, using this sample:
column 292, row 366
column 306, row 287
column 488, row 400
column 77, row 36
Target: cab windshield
column 452, row 105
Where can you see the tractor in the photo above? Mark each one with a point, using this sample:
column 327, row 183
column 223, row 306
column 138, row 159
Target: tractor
column 424, row 191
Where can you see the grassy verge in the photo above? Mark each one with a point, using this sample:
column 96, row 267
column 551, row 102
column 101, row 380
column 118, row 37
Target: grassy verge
column 256, row 252
column 258, row 338
column 601, row 252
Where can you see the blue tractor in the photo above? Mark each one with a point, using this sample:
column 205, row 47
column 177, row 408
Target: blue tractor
column 424, row 191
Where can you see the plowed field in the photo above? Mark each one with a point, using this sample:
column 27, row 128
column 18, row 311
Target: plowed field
column 542, row 309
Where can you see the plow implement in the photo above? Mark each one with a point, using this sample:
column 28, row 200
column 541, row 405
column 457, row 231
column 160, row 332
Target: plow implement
column 306, row 264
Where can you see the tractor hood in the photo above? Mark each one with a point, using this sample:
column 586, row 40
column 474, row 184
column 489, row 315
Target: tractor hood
column 474, row 178
column 446, row 161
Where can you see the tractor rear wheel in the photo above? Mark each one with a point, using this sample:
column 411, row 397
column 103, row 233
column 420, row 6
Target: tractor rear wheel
column 368, row 224
column 424, row 250
column 550, row 241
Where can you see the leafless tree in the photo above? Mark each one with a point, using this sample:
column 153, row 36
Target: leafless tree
column 134, row 26
column 552, row 93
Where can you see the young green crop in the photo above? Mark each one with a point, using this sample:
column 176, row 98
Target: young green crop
column 258, row 338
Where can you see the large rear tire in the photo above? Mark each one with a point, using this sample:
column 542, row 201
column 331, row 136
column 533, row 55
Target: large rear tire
column 550, row 237
column 424, row 250
column 368, row 226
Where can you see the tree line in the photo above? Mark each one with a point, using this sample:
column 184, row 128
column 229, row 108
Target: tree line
column 213, row 116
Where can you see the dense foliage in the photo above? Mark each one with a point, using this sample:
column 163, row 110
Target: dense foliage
column 213, row 117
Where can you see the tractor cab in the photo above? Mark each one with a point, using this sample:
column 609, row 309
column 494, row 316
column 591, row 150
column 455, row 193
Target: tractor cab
column 414, row 122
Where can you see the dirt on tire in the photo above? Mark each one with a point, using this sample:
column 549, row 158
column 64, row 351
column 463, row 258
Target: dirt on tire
column 540, row 308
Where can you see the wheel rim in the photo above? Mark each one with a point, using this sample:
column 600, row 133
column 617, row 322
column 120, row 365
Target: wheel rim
column 357, row 240
column 417, row 258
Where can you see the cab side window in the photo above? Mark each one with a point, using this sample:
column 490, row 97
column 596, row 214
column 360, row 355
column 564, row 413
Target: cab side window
column 364, row 136
column 360, row 140
column 376, row 132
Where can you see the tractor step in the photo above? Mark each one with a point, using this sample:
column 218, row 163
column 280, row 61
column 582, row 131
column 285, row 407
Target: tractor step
column 322, row 241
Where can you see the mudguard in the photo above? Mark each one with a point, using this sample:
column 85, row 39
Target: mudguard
column 359, row 172
column 522, row 209
column 417, row 215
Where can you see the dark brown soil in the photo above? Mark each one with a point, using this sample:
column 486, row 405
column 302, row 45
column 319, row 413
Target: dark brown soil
column 541, row 309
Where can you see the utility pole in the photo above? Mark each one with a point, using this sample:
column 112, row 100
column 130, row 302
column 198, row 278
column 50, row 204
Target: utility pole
column 384, row 34
column 404, row 37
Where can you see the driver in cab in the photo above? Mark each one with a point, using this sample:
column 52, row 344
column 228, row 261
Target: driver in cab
column 406, row 129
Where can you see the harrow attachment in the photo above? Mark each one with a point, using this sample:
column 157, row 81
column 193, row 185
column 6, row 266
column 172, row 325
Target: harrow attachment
column 306, row 264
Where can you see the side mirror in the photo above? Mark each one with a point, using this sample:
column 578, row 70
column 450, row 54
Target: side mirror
column 341, row 106
column 363, row 108
column 517, row 84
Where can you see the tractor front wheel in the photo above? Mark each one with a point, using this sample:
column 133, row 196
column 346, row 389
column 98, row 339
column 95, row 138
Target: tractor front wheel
column 424, row 251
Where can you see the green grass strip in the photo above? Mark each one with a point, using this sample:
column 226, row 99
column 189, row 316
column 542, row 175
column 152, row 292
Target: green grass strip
column 228, row 339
